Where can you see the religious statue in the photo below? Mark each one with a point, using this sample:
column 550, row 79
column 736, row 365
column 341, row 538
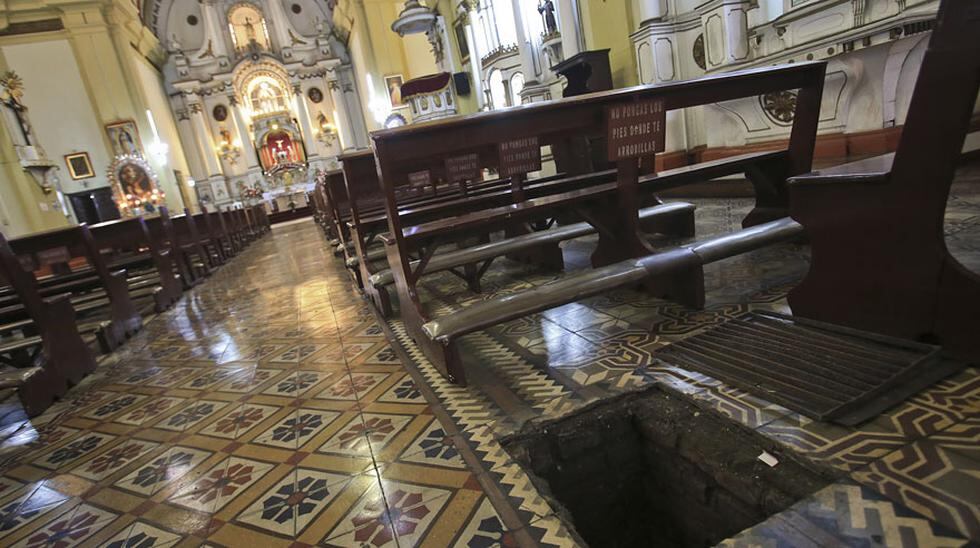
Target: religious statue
column 547, row 10
column 249, row 30
column 11, row 94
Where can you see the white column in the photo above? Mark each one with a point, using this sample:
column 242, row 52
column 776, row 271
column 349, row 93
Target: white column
column 352, row 102
column 304, row 121
column 192, row 152
column 647, row 10
column 475, row 56
column 568, row 25
column 251, row 159
column 211, row 164
column 524, row 45
column 343, row 121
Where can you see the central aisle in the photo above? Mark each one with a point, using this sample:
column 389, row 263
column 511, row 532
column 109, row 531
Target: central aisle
column 265, row 407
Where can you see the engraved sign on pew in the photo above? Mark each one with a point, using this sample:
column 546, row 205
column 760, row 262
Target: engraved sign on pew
column 636, row 129
column 519, row 156
column 51, row 256
column 463, row 168
column 419, row 179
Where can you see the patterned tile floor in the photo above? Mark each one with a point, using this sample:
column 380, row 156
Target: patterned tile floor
column 271, row 407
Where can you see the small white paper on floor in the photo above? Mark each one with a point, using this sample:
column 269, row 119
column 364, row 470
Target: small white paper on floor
column 768, row 459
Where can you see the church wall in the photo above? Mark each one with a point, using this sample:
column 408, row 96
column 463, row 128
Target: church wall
column 608, row 25
column 60, row 108
column 159, row 105
column 189, row 36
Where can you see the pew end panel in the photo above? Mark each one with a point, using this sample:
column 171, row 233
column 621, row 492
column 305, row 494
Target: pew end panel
column 879, row 256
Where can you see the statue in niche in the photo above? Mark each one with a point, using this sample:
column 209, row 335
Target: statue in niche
column 547, row 10
column 250, row 30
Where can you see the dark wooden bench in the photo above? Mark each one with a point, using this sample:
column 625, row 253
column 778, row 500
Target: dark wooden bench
column 612, row 208
column 107, row 291
column 191, row 245
column 879, row 258
column 50, row 354
column 126, row 243
column 163, row 236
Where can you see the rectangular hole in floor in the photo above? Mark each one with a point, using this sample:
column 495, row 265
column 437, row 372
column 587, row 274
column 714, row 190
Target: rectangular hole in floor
column 651, row 469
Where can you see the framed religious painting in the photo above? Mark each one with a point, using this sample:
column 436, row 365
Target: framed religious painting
column 393, row 84
column 124, row 138
column 79, row 165
column 135, row 184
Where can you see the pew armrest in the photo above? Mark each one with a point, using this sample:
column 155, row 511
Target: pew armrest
column 874, row 170
column 386, row 238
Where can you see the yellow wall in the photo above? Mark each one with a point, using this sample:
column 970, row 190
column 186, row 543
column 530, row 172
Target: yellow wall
column 608, row 24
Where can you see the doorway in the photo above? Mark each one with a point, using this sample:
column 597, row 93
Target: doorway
column 94, row 206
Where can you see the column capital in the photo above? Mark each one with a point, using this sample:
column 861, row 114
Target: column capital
column 195, row 108
column 233, row 99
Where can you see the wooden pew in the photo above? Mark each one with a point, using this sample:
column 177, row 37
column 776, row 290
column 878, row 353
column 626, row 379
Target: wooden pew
column 130, row 246
column 209, row 237
column 510, row 137
column 879, row 258
column 163, row 236
column 199, row 262
column 373, row 273
column 57, row 248
column 56, row 355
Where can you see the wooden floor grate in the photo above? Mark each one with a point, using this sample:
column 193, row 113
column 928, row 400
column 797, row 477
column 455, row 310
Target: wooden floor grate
column 823, row 371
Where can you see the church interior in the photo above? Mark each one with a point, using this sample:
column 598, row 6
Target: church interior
column 489, row 273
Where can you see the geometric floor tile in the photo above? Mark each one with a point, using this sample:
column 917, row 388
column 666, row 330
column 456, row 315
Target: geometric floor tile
column 142, row 535
column 70, row 528
column 37, row 501
column 104, row 410
column 72, row 451
column 289, row 506
column 352, row 387
column 484, row 529
column 434, row 447
column 295, row 384
column 239, row 421
column 191, row 415
column 219, row 485
column 148, row 411
column 359, row 437
column 295, row 429
column 932, row 480
column 161, row 471
column 412, row 510
column 114, row 459
column 403, row 392
column 845, row 514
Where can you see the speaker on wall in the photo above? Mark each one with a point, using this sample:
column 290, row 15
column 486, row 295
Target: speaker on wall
column 462, row 82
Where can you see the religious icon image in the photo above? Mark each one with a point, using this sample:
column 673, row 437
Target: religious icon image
column 220, row 113
column 124, row 138
column 394, row 86
column 79, row 166
column 315, row 95
column 135, row 184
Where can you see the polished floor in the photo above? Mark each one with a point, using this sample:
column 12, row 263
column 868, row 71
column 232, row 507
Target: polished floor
column 271, row 407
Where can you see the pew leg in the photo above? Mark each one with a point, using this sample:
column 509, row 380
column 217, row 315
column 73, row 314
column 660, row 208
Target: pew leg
column 771, row 197
column 679, row 224
column 382, row 298
column 684, row 286
column 38, row 390
column 547, row 256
